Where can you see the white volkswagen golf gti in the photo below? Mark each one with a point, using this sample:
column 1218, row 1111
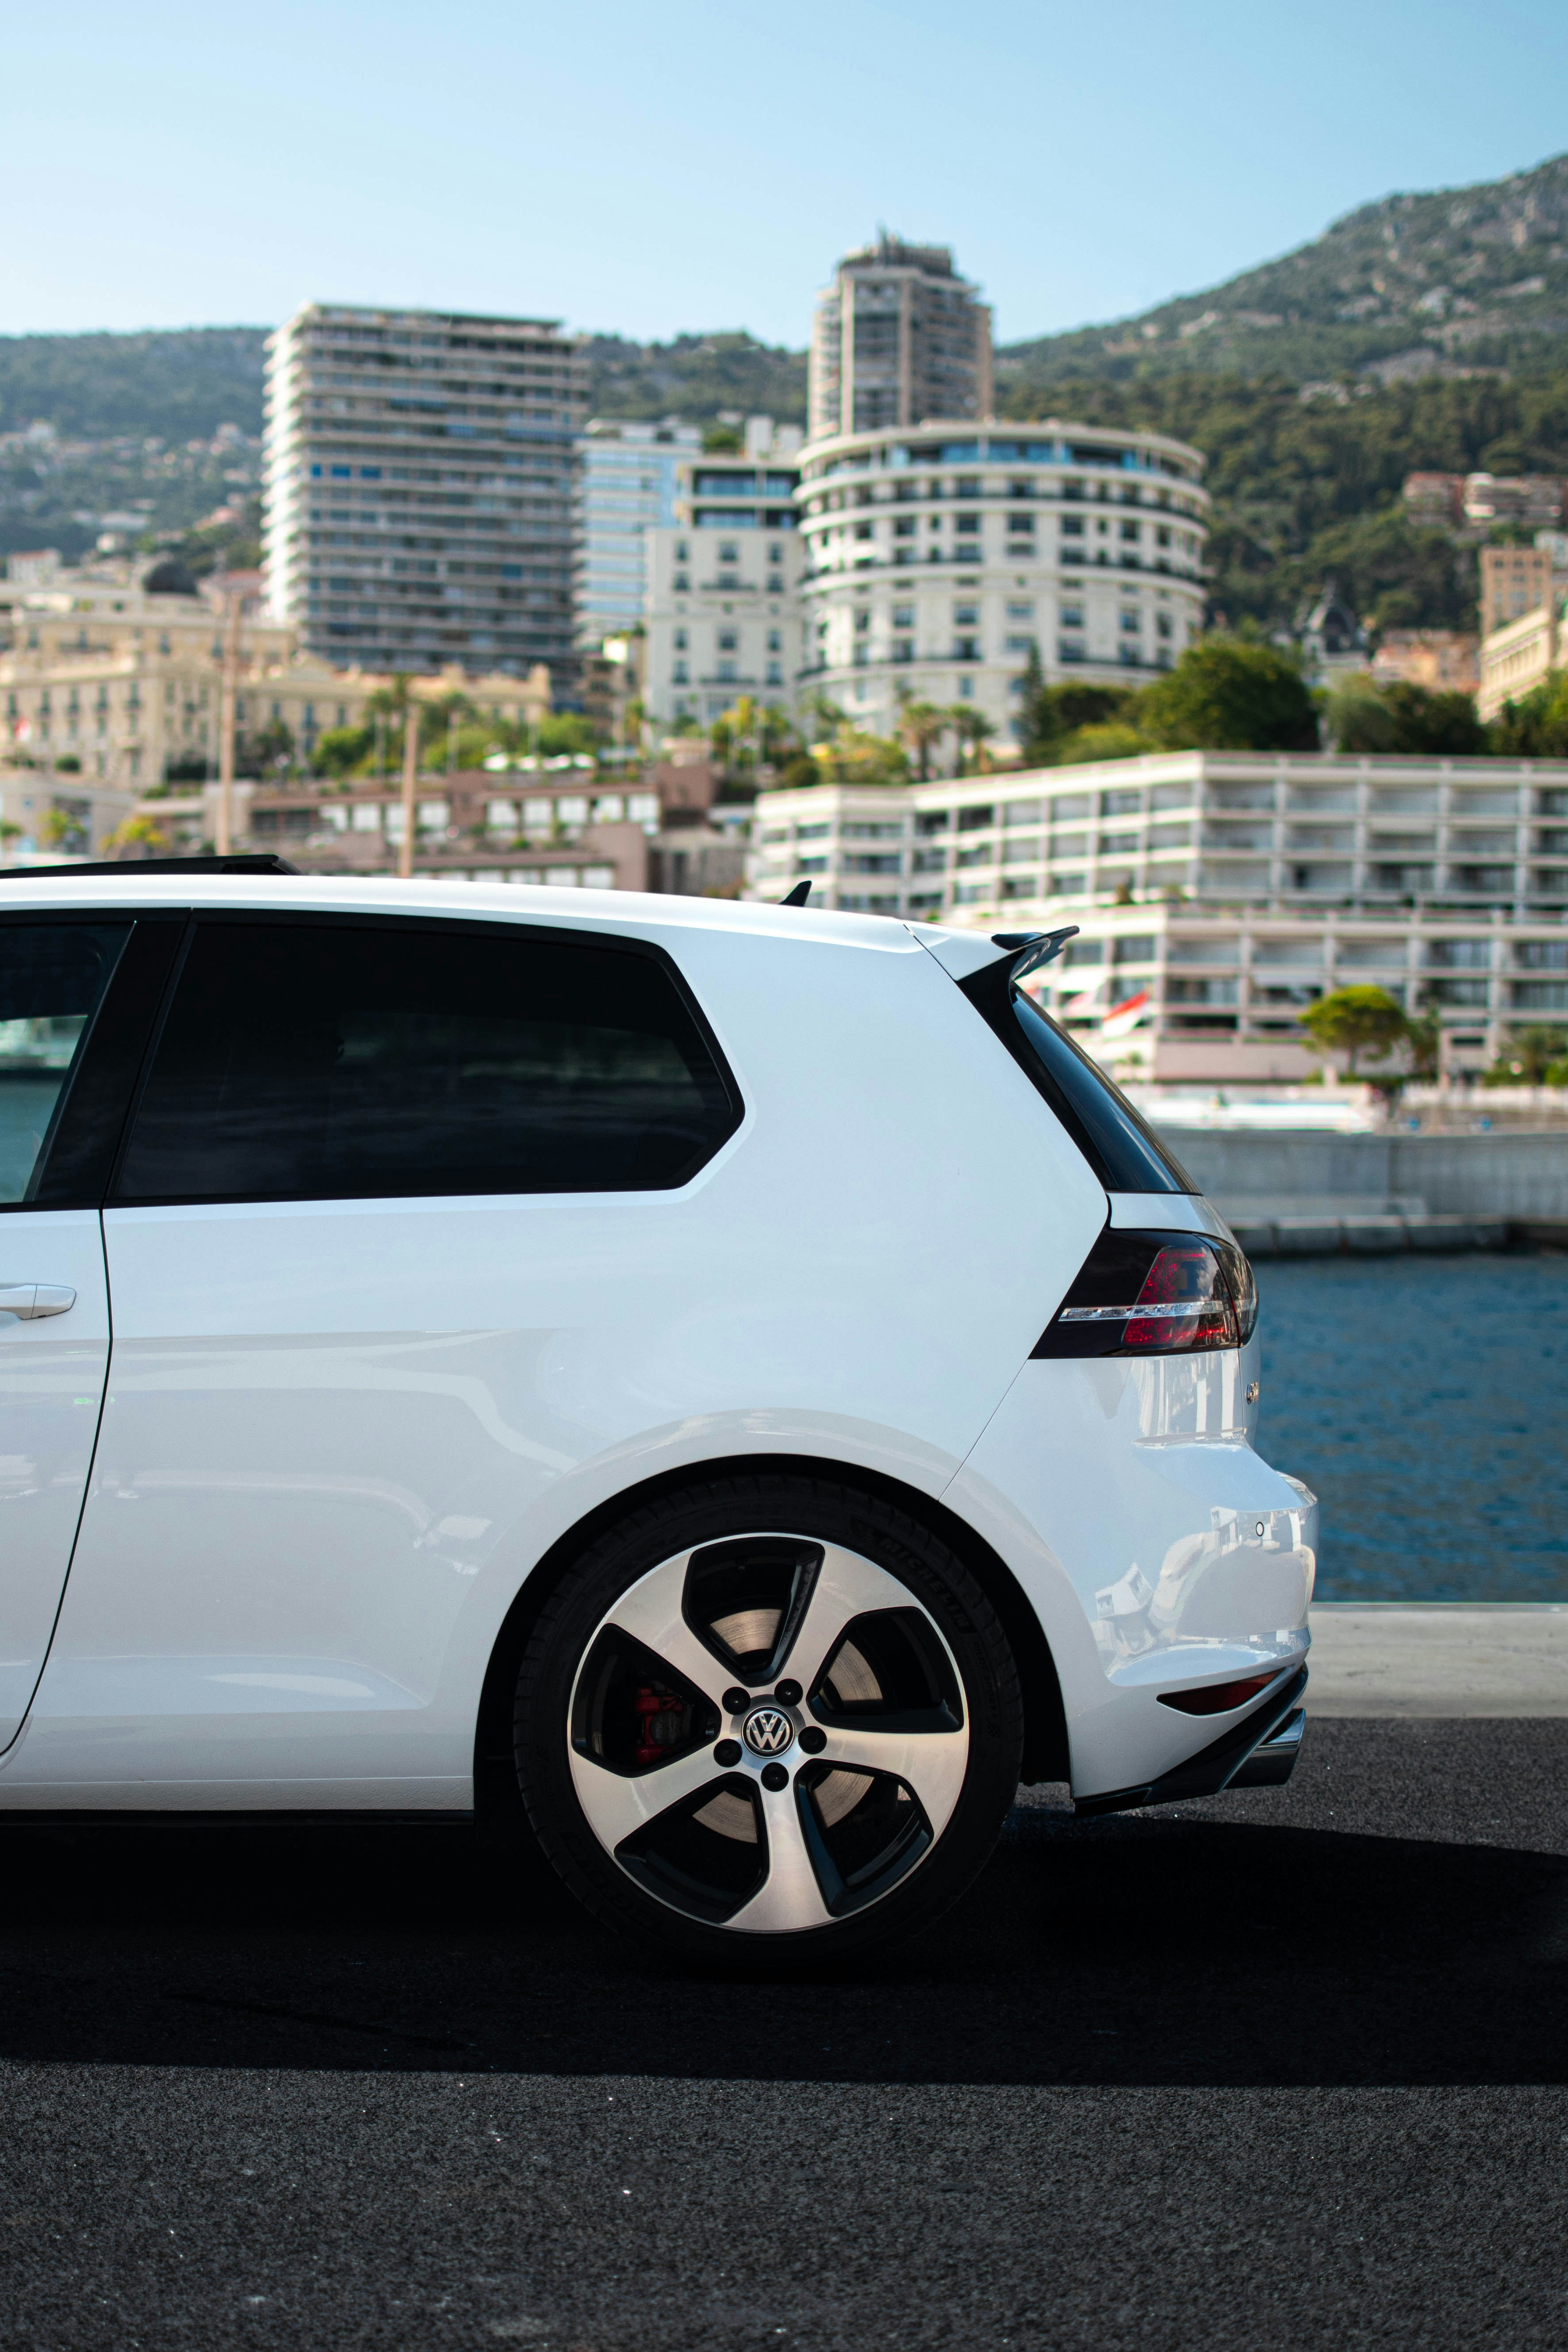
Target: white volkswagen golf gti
column 734, row 1380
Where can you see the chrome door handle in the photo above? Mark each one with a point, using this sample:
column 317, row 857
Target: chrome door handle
column 31, row 1299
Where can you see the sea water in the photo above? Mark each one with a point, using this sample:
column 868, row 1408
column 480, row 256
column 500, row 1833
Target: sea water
column 1425, row 1401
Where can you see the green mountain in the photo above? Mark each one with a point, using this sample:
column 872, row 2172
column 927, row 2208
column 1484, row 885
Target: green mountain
column 174, row 386
column 1411, row 285
column 697, row 377
column 183, row 385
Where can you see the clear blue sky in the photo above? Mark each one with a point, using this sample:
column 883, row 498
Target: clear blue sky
column 651, row 169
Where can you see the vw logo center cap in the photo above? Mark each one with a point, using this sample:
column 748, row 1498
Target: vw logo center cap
column 767, row 1730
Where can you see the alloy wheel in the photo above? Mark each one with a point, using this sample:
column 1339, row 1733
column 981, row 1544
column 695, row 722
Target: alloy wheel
column 768, row 1733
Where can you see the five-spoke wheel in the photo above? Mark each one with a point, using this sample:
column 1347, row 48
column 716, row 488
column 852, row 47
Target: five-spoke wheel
column 769, row 1731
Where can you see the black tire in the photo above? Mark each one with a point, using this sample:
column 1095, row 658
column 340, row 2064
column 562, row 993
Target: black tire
column 896, row 1692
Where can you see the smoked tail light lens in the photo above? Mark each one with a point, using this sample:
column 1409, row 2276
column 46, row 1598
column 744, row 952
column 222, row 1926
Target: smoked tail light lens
column 1140, row 1294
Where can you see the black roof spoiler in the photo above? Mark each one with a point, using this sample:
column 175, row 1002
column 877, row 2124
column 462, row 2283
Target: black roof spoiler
column 260, row 861
column 1031, row 950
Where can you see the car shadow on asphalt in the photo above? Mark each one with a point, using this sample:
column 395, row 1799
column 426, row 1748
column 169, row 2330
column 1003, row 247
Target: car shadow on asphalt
column 1140, row 1948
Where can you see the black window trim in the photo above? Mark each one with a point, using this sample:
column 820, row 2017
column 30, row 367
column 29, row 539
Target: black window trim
column 29, row 918
column 442, row 925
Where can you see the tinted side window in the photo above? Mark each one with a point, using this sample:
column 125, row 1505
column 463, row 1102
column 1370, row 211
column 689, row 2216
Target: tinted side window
column 52, row 979
column 304, row 1061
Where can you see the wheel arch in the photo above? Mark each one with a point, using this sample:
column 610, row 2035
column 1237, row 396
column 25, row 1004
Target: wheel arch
column 1046, row 1750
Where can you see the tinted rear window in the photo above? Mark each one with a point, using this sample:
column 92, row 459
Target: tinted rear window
column 1132, row 1158
column 1118, row 1143
column 305, row 1061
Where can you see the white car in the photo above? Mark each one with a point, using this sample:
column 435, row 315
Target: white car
column 737, row 1379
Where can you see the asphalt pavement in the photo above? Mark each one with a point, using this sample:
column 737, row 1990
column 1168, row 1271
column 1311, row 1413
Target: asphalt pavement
column 1285, row 2069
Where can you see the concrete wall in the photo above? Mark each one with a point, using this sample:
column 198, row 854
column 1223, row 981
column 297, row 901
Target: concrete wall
column 1519, row 1175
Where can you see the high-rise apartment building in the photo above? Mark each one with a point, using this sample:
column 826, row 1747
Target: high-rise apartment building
column 898, row 338
column 626, row 488
column 419, row 469
column 937, row 560
column 722, row 611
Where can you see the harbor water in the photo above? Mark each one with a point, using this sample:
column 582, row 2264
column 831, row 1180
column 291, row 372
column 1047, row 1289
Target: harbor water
column 1425, row 1400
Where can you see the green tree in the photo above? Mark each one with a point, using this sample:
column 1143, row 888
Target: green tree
column 262, row 754
column 1114, row 739
column 799, row 771
column 345, row 751
column 1363, row 716
column 1224, row 695
column 854, row 757
column 1355, row 1021
column 1054, row 715
column 139, row 836
column 1536, row 726
column 1529, row 1058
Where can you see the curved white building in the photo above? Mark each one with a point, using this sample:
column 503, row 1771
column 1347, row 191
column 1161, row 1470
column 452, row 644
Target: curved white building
column 935, row 558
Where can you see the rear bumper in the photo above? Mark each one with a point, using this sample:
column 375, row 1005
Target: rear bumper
column 1258, row 1753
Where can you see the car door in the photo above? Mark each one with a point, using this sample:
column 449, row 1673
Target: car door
column 371, row 1161
column 64, row 1057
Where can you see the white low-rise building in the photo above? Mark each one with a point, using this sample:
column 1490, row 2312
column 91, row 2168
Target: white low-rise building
column 1229, row 889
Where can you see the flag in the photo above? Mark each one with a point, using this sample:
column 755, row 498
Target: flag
column 1123, row 1018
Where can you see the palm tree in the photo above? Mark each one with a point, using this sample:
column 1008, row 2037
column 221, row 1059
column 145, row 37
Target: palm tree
column 922, row 724
column 970, row 726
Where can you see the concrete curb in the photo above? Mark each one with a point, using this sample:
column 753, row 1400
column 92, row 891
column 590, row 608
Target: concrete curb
column 1438, row 1658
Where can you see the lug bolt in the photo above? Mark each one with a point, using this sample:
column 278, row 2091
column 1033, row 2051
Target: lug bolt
column 775, row 1776
column 737, row 1701
column 812, row 1740
column 787, row 1694
column 727, row 1753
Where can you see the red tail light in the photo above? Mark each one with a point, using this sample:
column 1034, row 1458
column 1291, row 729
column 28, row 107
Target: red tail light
column 1220, row 1698
column 1155, row 1292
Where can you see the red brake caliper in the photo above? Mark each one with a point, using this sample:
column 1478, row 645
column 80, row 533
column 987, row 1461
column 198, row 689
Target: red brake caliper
column 660, row 1724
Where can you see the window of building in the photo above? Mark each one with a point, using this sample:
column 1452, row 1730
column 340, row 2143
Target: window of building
column 1460, row 955
column 338, row 1061
column 965, row 616
column 775, row 641
column 728, row 641
column 1132, row 619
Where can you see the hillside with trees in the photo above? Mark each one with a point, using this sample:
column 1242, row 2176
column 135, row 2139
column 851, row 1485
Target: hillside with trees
column 1410, row 286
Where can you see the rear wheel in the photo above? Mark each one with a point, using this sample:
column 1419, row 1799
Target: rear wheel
column 771, row 1719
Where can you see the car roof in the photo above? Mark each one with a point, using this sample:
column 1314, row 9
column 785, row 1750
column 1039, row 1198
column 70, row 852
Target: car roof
column 626, row 911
